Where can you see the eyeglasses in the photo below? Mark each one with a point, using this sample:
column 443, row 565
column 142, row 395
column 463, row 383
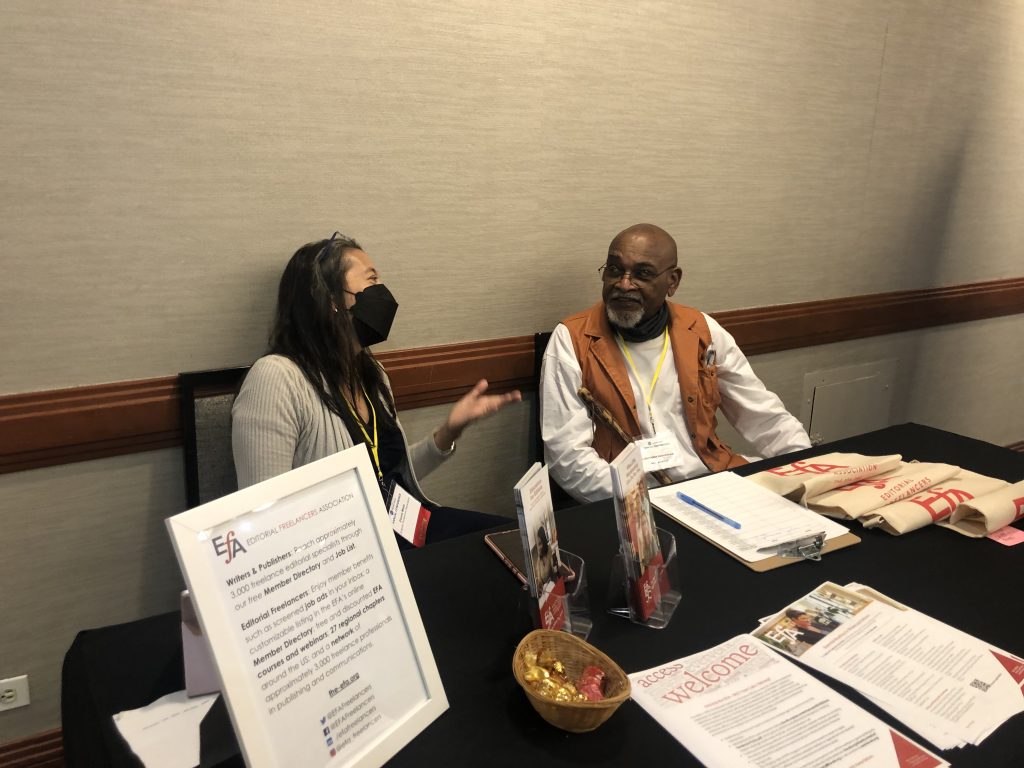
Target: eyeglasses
column 337, row 236
column 321, row 258
column 612, row 273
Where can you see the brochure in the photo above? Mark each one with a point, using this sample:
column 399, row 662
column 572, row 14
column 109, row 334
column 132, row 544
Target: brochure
column 544, row 575
column 638, row 536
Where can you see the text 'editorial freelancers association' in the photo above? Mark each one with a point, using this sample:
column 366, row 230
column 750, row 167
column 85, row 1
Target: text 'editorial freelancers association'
column 315, row 622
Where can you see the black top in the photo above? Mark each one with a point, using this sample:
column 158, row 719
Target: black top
column 391, row 451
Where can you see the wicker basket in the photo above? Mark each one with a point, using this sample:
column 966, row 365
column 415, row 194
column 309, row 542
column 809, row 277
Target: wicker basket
column 575, row 654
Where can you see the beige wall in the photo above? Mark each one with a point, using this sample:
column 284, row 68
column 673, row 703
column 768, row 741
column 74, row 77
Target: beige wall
column 162, row 160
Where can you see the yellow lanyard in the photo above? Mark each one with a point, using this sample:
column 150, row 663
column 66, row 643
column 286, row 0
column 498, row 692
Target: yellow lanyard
column 372, row 443
column 649, row 394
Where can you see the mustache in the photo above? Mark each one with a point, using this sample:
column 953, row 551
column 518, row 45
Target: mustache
column 618, row 293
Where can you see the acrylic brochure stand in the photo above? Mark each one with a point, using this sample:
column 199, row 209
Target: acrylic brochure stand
column 576, row 599
column 623, row 592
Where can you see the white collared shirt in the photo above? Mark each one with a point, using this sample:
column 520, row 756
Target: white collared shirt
column 756, row 414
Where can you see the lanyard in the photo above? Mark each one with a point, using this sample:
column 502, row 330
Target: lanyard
column 372, row 443
column 649, row 394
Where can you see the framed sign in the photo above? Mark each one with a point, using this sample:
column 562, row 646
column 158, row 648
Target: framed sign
column 302, row 593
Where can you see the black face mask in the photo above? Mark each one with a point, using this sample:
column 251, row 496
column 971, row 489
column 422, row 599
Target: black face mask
column 373, row 313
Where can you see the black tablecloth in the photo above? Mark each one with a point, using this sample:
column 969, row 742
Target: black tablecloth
column 472, row 609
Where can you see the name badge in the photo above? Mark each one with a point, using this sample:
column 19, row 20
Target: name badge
column 409, row 518
column 660, row 452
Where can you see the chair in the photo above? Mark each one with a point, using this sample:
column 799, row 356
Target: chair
column 206, row 399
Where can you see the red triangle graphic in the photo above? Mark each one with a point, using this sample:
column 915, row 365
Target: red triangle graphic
column 1013, row 666
column 909, row 755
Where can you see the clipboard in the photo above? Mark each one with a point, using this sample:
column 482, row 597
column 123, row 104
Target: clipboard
column 775, row 561
column 725, row 501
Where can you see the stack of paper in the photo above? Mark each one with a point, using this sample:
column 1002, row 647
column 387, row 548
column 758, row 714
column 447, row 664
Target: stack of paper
column 165, row 734
column 951, row 688
column 739, row 704
column 741, row 517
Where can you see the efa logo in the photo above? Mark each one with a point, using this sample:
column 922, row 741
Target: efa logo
column 228, row 545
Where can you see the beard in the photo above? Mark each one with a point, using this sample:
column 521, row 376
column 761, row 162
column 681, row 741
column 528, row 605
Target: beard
column 623, row 318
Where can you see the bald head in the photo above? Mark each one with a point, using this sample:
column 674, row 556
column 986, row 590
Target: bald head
column 656, row 241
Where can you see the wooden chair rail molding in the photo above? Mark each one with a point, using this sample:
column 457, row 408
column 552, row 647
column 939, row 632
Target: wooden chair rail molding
column 43, row 750
column 39, row 429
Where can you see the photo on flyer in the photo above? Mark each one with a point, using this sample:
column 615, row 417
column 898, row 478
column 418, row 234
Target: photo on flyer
column 810, row 619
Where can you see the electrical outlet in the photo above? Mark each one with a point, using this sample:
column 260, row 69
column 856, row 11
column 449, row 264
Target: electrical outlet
column 14, row 692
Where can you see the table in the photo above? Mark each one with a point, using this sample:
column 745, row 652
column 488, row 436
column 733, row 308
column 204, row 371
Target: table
column 472, row 610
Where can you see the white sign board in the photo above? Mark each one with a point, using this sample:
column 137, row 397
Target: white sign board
column 302, row 592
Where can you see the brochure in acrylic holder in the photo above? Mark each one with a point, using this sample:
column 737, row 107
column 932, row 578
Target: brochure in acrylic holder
column 623, row 594
column 576, row 599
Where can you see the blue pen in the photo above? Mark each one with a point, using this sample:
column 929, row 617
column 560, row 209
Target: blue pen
column 717, row 515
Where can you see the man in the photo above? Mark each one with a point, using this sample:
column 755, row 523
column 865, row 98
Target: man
column 809, row 630
column 659, row 370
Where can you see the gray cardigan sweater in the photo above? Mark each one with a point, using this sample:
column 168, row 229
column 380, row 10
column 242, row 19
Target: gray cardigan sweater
column 278, row 423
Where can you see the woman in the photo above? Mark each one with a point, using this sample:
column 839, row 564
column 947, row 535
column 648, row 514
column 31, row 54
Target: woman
column 320, row 390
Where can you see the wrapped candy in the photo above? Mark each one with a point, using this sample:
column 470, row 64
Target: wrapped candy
column 547, row 675
column 535, row 674
column 549, row 688
column 591, row 692
column 591, row 682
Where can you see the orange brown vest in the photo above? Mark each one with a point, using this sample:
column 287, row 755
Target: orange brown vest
column 606, row 376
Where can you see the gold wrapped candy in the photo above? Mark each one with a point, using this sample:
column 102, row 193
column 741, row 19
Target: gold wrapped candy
column 535, row 674
column 548, row 677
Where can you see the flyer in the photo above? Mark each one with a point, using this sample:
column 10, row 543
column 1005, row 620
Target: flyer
column 948, row 686
column 302, row 592
column 741, row 705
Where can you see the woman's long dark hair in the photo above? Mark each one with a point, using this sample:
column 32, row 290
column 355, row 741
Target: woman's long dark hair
column 314, row 331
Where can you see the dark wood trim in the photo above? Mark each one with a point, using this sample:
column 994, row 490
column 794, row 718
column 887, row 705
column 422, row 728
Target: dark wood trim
column 810, row 323
column 41, row 750
column 39, row 429
column 436, row 375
